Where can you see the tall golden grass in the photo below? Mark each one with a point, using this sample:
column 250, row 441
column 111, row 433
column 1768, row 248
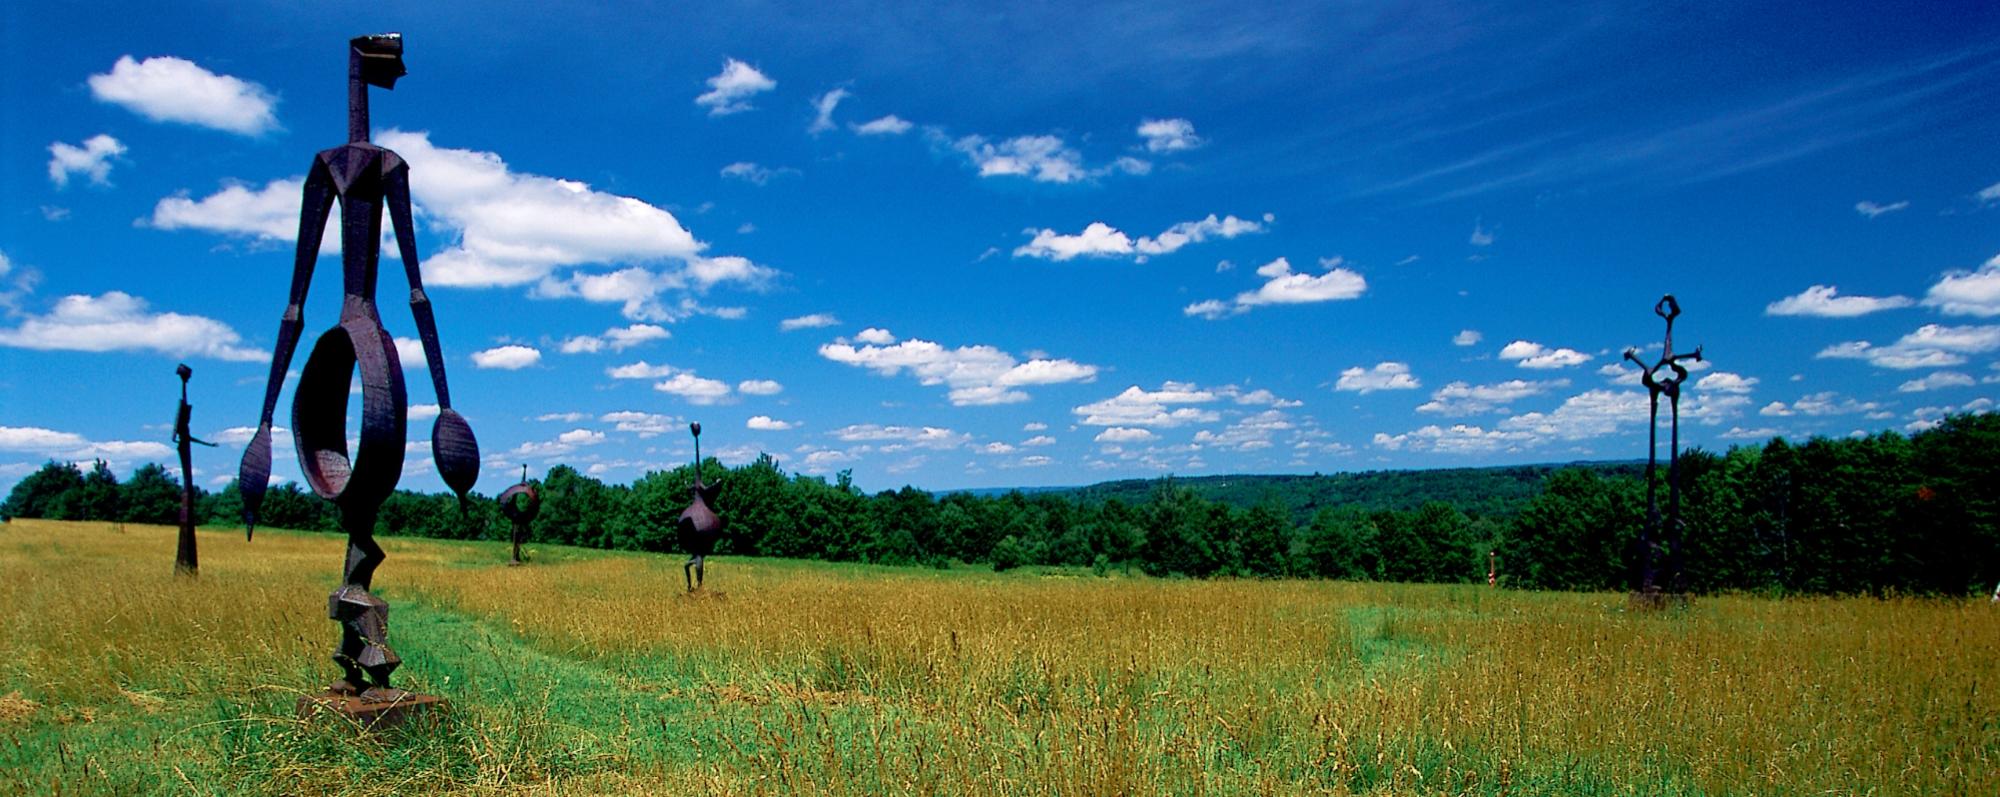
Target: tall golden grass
column 591, row 672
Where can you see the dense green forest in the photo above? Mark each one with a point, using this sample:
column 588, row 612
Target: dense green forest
column 1887, row 513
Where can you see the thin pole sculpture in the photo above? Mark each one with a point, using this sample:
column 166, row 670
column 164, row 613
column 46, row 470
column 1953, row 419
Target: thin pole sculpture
column 699, row 527
column 186, row 561
column 1649, row 578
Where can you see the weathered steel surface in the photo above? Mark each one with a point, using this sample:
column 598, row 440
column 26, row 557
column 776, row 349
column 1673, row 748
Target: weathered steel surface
column 698, row 527
column 520, row 504
column 1650, row 579
column 186, row 561
column 365, row 179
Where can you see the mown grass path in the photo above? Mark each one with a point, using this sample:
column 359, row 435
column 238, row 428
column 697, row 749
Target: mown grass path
column 589, row 672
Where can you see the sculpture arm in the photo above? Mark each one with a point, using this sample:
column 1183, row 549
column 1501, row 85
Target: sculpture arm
column 453, row 446
column 255, row 473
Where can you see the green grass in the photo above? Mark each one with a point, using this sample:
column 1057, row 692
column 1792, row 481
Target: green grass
column 590, row 672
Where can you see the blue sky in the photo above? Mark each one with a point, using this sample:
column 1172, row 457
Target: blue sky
column 1026, row 244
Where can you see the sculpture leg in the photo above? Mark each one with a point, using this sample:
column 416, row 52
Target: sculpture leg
column 363, row 554
column 185, row 561
column 698, row 562
column 687, row 571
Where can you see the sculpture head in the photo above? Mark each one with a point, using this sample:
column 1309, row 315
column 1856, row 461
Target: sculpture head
column 378, row 59
column 184, row 371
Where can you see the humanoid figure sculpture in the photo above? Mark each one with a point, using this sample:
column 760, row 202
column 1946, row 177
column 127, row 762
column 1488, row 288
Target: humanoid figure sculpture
column 699, row 527
column 186, row 561
column 363, row 178
column 521, row 503
column 1649, row 536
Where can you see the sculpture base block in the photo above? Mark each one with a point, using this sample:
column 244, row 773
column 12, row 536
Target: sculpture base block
column 372, row 710
column 1658, row 601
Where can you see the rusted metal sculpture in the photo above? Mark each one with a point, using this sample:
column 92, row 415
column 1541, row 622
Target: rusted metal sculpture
column 1651, row 582
column 186, row 562
column 363, row 178
column 521, row 503
column 699, row 527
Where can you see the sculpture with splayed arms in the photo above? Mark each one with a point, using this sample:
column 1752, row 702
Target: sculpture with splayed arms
column 1650, row 579
column 186, row 562
column 363, row 178
column 520, row 503
column 699, row 527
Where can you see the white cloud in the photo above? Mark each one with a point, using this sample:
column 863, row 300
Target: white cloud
column 1384, row 376
column 1045, row 159
column 1990, row 193
column 1038, row 441
column 93, row 159
column 1034, row 426
column 638, row 370
column 1284, row 286
column 876, row 336
column 410, row 351
column 1871, row 209
column 617, row 338
column 823, row 106
column 1455, row 439
column 1726, row 382
column 1168, row 135
column 117, row 321
column 1937, row 380
column 565, row 417
column 694, row 389
column 270, row 213
column 808, row 322
column 512, row 357
column 1480, row 235
column 730, row 90
column 424, row 412
column 1467, row 337
column 759, row 387
column 1124, row 434
column 1259, row 397
column 976, row 375
column 1250, row 433
column 1822, row 301
column 1159, row 408
column 1534, row 355
column 1592, row 413
column 752, row 173
column 995, row 448
column 1930, row 346
column 1740, row 433
column 580, row 437
column 1463, row 398
column 890, row 125
column 1102, row 240
column 766, row 423
column 71, row 447
column 1818, row 405
column 643, row 424
column 902, row 437
column 169, row 89
column 1968, row 292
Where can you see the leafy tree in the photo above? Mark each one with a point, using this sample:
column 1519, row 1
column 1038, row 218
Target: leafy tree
column 36, row 495
column 1340, row 543
column 1573, row 535
column 95, row 499
column 1264, row 540
column 1009, row 554
column 151, row 496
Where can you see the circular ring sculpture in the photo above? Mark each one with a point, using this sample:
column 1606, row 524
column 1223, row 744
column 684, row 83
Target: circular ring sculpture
column 520, row 504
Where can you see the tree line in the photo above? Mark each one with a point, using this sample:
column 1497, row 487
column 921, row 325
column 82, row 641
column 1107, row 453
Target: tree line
column 1875, row 514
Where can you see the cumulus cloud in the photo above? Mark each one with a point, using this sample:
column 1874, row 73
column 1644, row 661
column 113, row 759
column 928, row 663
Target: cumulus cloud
column 1480, row 235
column 92, row 160
column 1285, row 286
column 643, row 424
column 1930, row 346
column 1467, row 337
column 267, row 214
column 1593, row 413
column 1167, row 407
column 1384, row 376
column 1726, row 382
column 72, row 447
column 1818, row 405
column 1871, row 209
column 1822, row 301
column 512, row 357
column 616, row 338
column 1528, row 354
column 759, row 387
column 823, row 106
column 730, row 90
column 875, row 335
column 897, row 438
column 117, row 321
column 890, row 125
column 1990, row 193
column 410, row 352
column 638, row 370
column 976, row 375
column 1249, row 433
column 169, row 89
column 1968, row 292
column 766, row 423
column 1455, row 439
column 1464, row 398
column 1102, row 240
column 808, row 322
column 754, row 174
column 694, row 389
column 1168, row 135
column 1938, row 380
column 1124, row 434
column 1038, row 441
column 1044, row 159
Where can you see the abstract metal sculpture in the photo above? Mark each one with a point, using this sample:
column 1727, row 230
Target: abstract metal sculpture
column 699, row 527
column 363, row 178
column 186, row 562
column 1650, row 578
column 521, row 503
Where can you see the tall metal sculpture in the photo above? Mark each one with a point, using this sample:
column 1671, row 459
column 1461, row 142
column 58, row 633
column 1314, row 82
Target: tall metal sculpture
column 699, row 527
column 1650, row 580
column 363, row 178
column 186, row 562
column 520, row 503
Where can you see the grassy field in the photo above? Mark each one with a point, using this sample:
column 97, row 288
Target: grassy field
column 589, row 672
